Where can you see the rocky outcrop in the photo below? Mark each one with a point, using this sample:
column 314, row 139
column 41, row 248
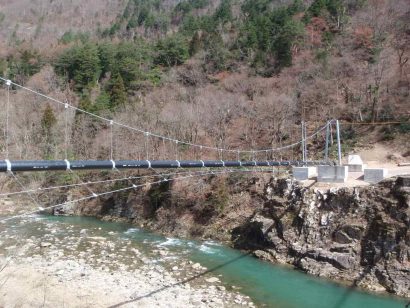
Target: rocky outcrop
column 356, row 235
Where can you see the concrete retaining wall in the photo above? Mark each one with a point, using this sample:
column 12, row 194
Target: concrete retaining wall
column 356, row 168
column 304, row 173
column 332, row 174
column 374, row 175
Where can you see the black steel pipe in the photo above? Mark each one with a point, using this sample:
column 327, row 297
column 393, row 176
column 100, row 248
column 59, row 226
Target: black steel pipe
column 56, row 165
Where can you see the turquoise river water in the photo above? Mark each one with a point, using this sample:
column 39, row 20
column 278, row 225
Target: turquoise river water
column 266, row 284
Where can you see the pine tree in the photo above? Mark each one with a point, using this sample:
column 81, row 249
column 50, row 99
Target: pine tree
column 117, row 91
column 48, row 120
column 89, row 68
column 217, row 55
column 107, row 53
column 296, row 7
column 171, row 51
column 189, row 24
column 290, row 33
column 223, row 13
column 80, row 64
column 195, row 44
column 317, row 7
column 85, row 103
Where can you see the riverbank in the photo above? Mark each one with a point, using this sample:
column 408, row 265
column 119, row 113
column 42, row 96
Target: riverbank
column 358, row 236
column 38, row 282
column 49, row 265
column 85, row 262
column 355, row 236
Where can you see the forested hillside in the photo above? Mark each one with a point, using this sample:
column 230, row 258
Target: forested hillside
column 229, row 73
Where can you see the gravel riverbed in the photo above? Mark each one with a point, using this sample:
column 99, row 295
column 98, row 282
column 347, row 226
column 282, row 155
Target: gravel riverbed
column 50, row 267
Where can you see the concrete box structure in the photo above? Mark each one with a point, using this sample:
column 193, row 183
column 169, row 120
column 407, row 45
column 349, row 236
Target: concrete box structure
column 354, row 160
column 332, row 174
column 374, row 175
column 355, row 163
column 356, row 168
column 304, row 173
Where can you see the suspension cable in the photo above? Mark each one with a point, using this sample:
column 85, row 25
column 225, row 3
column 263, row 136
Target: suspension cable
column 251, row 151
column 41, row 189
column 117, row 191
column 29, row 194
column 81, row 182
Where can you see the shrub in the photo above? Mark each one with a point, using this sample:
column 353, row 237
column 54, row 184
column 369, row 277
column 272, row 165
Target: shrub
column 268, row 34
column 117, row 92
column 171, row 51
column 80, row 64
column 404, row 128
column 49, row 119
column 387, row 133
column 223, row 13
column 23, row 65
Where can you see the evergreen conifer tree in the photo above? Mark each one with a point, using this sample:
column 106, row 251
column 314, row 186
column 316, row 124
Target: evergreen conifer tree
column 48, row 120
column 195, row 44
column 117, row 91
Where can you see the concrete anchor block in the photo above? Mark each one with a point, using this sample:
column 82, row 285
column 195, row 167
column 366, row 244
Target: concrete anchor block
column 304, row 173
column 355, row 163
column 354, row 160
column 356, row 168
column 332, row 174
column 374, row 175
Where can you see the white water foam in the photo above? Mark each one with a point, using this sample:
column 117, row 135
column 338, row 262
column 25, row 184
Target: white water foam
column 192, row 245
column 132, row 230
column 206, row 249
column 171, row 242
column 213, row 243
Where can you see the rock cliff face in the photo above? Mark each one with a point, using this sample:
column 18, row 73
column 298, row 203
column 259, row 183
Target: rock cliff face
column 356, row 235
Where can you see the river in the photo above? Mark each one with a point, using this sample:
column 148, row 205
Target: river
column 265, row 284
